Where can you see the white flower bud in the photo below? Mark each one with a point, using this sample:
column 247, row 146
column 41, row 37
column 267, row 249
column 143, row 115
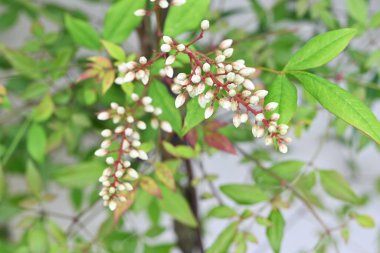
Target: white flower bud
column 170, row 60
column 178, row 2
column 261, row 93
column 100, row 152
column 247, row 71
column 169, row 71
column 243, row 117
column 146, row 100
column 133, row 173
column 230, row 76
column 143, row 155
column 236, row 120
column 166, row 126
column 123, row 67
column 209, row 81
column 254, row 100
column 181, row 76
column 105, row 144
column 141, row 125
column 106, row 133
column 226, row 44
column 196, row 79
column 119, row 174
column 275, row 117
column 268, row 140
column 202, row 101
column 167, row 40
column 206, row 67
column 232, row 93
column 226, row 104
column 181, row 47
column 248, row 84
column 272, row 129
column 209, row 95
column 205, row 25
column 271, row 106
column 110, row 160
column 220, row 58
column 143, row 60
column 103, row 116
column 163, row 4
column 257, row 131
column 259, row 117
column 283, row 148
column 154, row 123
column 209, row 112
column 228, row 52
column 166, row 48
column 140, row 12
column 180, row 100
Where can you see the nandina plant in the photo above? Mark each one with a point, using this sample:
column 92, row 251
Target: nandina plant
column 185, row 95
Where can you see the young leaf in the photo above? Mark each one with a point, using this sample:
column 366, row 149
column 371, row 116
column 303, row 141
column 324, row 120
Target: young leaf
column 114, row 50
column 180, row 150
column 336, row 186
column 165, row 175
column 24, row 64
column 163, row 99
column 220, row 142
column 124, row 206
column 244, row 194
column 82, row 32
column 224, row 240
column 36, row 143
column 33, row 179
column 186, row 17
column 222, row 212
column 365, row 221
column 120, row 20
column 44, row 110
column 285, row 94
column 108, row 79
column 194, row 116
column 275, row 232
column 341, row 103
column 358, row 10
column 321, row 49
column 150, row 186
column 176, row 205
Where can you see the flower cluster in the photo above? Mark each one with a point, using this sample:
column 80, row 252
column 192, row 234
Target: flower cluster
column 163, row 4
column 229, row 83
column 130, row 71
column 122, row 145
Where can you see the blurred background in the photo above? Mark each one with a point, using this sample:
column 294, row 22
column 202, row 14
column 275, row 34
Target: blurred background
column 322, row 140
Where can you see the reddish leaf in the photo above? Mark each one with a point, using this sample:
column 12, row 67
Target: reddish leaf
column 89, row 73
column 150, row 186
column 214, row 125
column 220, row 142
column 108, row 79
column 165, row 175
column 192, row 138
column 122, row 207
column 103, row 62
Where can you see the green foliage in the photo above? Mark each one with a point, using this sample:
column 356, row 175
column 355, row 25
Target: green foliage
column 275, row 232
column 224, row 240
column 82, row 33
column 244, row 194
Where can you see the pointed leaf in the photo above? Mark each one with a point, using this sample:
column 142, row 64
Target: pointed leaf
column 224, row 240
column 150, row 186
column 341, row 103
column 33, row 179
column 275, row 232
column 108, row 79
column 244, row 194
column 220, row 142
column 222, row 212
column 44, row 110
column 285, row 94
column 194, row 116
column 321, row 49
column 36, row 143
column 165, row 175
column 82, row 32
column 114, row 50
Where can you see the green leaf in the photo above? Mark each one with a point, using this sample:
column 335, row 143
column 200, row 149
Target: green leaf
column 341, row 103
column 321, row 49
column 163, row 99
column 336, row 186
column 365, row 221
column 224, row 240
column 23, row 63
column 285, row 94
column 195, row 114
column 180, row 150
column 44, row 110
column 345, row 233
column 37, row 239
column 33, row 179
column 275, row 232
column 358, row 10
column 244, row 194
column 2, row 183
column 114, row 50
column 287, row 170
column 82, row 32
column 108, row 79
column 120, row 20
column 187, row 17
column 222, row 212
column 176, row 205
column 79, row 175
column 36, row 143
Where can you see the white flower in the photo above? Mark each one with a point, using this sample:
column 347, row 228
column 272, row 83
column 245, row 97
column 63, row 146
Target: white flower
column 143, row 155
column 261, row 93
column 259, row 117
column 146, row 100
column 228, row 52
column 163, row 4
column 133, row 173
column 140, row 12
column 247, row 71
column 205, row 25
column 180, row 100
column 167, row 40
column 243, row 117
column 258, row 131
column 169, row 71
column 110, row 160
column 236, row 120
column 141, row 125
column 143, row 60
column 196, row 79
column 103, row 116
column 129, row 77
column 220, row 58
column 206, row 67
column 166, row 126
column 248, row 84
column 268, row 140
column 226, row 44
column 209, row 112
column 112, row 205
column 181, row 47
column 202, row 101
column 275, row 117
